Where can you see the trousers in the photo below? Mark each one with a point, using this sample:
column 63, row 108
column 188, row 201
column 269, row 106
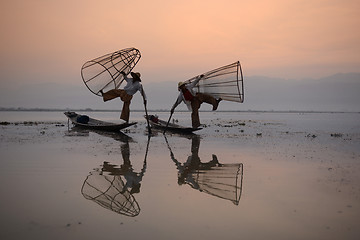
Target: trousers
column 195, row 105
column 126, row 98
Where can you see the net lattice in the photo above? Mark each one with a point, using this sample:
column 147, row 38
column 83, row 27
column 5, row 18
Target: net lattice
column 225, row 82
column 108, row 191
column 103, row 73
column 222, row 181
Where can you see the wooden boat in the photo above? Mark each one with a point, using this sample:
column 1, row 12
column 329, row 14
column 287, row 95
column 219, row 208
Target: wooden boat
column 155, row 122
column 91, row 123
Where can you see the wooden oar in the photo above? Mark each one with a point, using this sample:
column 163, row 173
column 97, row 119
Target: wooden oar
column 167, row 124
column 147, row 116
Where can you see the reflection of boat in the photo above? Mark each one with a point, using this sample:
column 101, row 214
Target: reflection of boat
column 118, row 136
column 91, row 123
column 112, row 186
column 219, row 180
column 155, row 122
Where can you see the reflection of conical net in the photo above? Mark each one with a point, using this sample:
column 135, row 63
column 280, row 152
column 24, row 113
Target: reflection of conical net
column 103, row 73
column 106, row 190
column 225, row 82
column 223, row 181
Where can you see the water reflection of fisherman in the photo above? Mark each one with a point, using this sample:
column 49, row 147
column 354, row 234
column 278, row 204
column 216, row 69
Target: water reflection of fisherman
column 112, row 186
column 132, row 178
column 220, row 180
column 193, row 164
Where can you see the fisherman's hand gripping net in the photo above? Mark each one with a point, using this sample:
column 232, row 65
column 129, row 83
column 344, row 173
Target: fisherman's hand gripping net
column 104, row 73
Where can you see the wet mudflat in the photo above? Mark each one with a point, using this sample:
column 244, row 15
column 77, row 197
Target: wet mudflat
column 244, row 175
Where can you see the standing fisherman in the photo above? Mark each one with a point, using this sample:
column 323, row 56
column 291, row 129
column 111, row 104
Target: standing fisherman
column 194, row 100
column 133, row 85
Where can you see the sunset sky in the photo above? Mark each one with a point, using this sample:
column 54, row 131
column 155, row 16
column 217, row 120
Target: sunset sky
column 49, row 40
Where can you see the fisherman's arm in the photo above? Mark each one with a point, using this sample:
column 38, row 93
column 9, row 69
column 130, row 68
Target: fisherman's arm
column 196, row 81
column 178, row 101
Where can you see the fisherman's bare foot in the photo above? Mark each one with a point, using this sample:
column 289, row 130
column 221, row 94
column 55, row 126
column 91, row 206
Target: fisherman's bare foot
column 217, row 104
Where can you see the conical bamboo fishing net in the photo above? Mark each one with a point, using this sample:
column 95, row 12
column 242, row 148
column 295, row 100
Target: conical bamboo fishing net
column 103, row 73
column 225, row 82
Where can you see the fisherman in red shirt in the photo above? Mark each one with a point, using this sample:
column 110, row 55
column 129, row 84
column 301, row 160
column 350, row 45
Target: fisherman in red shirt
column 194, row 100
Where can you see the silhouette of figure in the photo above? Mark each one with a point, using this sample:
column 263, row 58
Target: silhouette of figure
column 220, row 180
column 106, row 187
column 192, row 164
column 132, row 178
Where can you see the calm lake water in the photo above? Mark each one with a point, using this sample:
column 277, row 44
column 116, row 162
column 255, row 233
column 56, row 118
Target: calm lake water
column 245, row 175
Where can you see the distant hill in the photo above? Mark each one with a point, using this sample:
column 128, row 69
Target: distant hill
column 339, row 92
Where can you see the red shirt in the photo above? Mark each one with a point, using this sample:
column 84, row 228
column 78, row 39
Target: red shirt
column 187, row 95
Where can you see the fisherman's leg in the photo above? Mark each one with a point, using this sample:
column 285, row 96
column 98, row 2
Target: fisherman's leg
column 125, row 153
column 195, row 105
column 195, row 145
column 208, row 99
column 113, row 93
column 125, row 113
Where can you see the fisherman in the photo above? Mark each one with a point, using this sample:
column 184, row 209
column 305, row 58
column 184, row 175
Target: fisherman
column 133, row 85
column 194, row 100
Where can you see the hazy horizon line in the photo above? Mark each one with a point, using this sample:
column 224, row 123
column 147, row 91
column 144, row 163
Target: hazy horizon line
column 21, row 109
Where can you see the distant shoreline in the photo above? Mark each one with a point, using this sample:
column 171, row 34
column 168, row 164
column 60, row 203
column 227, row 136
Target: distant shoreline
column 161, row 110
